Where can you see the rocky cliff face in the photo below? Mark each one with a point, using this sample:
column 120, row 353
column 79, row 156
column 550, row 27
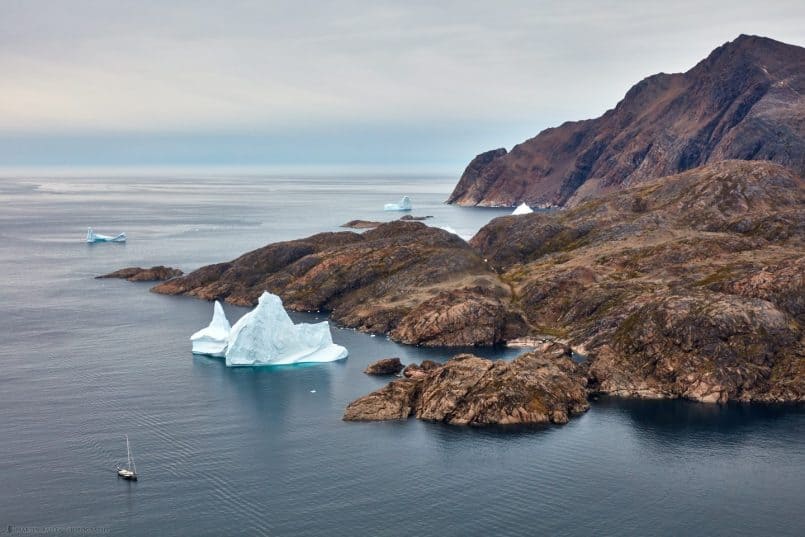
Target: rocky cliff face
column 688, row 286
column 423, row 285
column 746, row 100
column 537, row 387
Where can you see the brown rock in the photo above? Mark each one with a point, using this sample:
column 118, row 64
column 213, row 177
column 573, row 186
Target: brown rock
column 708, row 347
column 418, row 371
column 746, row 100
column 373, row 282
column 456, row 316
column 361, row 224
column 393, row 402
column 137, row 274
column 697, row 291
column 384, row 366
column 467, row 390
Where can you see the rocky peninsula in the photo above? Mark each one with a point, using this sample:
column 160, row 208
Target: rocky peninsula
column 421, row 285
column 689, row 286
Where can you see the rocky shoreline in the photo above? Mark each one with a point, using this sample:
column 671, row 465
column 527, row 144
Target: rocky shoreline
column 691, row 286
column 534, row 388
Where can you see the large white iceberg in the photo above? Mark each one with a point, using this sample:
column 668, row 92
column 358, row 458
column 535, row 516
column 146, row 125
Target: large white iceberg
column 267, row 336
column 522, row 209
column 97, row 237
column 214, row 339
column 404, row 205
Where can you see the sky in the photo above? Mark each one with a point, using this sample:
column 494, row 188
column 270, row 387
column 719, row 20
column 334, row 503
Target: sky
column 404, row 83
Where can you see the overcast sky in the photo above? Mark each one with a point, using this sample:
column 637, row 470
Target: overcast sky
column 344, row 82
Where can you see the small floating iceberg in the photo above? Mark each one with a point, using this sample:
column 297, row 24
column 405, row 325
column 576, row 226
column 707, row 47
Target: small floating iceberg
column 522, row 209
column 267, row 336
column 213, row 340
column 97, row 237
column 404, row 205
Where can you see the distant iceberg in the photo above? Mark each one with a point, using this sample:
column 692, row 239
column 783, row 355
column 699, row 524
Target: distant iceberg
column 97, row 237
column 523, row 209
column 266, row 336
column 213, row 339
column 404, row 205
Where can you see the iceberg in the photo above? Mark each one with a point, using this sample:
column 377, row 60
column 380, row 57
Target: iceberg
column 267, row 336
column 97, row 237
column 404, row 205
column 522, row 209
column 213, row 340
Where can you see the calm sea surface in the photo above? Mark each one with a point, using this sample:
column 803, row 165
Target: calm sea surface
column 257, row 452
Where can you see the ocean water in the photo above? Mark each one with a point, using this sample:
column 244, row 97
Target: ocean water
column 256, row 451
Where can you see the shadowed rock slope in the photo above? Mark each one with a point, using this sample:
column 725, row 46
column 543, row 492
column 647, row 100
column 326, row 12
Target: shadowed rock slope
column 746, row 100
column 422, row 285
column 688, row 286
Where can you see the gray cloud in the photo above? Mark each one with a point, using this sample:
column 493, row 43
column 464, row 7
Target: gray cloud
column 239, row 66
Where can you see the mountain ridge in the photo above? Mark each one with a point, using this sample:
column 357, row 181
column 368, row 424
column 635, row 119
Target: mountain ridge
column 743, row 101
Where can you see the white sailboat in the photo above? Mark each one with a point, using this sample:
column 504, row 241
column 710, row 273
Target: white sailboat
column 130, row 471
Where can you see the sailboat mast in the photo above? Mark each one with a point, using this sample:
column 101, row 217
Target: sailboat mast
column 128, row 452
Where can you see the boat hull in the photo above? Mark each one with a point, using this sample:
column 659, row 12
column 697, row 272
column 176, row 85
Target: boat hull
column 128, row 475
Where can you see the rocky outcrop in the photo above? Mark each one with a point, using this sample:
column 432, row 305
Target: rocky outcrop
column 371, row 224
column 422, row 285
column 384, row 366
column 393, row 402
column 137, row 274
column 419, row 370
column 361, row 224
column 537, row 387
column 746, row 100
column 704, row 346
column 689, row 286
column 460, row 315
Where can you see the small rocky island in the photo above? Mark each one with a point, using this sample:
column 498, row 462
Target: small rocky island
column 138, row 274
column 536, row 387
